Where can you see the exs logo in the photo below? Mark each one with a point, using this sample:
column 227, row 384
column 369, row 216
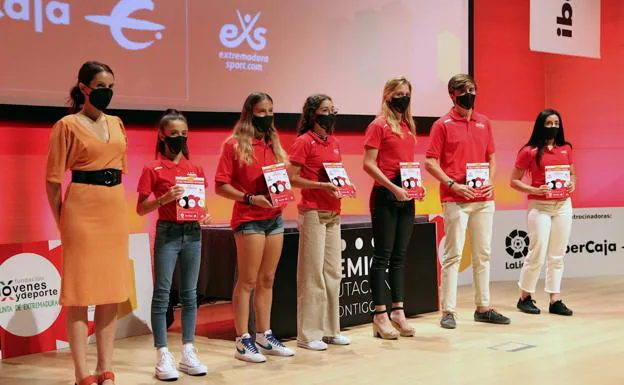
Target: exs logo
column 59, row 13
column 254, row 36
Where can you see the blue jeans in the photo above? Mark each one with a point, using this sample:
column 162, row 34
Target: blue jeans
column 175, row 240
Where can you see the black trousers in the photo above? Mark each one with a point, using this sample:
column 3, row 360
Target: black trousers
column 393, row 222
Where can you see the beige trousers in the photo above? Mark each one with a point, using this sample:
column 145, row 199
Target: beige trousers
column 319, row 271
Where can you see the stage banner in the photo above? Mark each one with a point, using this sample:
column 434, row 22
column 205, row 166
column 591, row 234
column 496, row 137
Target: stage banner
column 596, row 245
column 31, row 319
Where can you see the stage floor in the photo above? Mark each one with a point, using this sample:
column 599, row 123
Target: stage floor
column 587, row 348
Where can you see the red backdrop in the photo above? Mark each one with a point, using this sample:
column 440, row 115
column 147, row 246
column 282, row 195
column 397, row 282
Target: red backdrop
column 514, row 85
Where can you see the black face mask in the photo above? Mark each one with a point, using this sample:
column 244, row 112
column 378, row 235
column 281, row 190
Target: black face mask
column 326, row 121
column 466, row 100
column 400, row 104
column 176, row 143
column 263, row 124
column 100, row 98
column 551, row 132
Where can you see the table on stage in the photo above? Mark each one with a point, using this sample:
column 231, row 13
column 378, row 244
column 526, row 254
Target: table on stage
column 218, row 272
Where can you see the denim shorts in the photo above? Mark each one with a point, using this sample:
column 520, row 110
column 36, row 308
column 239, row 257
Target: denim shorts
column 264, row 226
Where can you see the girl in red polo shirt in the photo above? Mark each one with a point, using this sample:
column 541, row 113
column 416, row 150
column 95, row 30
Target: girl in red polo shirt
column 258, row 226
column 174, row 239
column 389, row 140
column 549, row 217
column 319, row 268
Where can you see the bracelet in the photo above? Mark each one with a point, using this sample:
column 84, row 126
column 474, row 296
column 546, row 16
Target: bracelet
column 248, row 199
column 159, row 202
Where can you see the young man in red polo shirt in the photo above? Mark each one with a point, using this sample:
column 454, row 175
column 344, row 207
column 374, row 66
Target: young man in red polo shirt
column 460, row 137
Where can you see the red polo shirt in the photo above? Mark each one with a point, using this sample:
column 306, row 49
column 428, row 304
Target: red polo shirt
column 310, row 152
column 246, row 178
column 454, row 141
column 557, row 156
column 392, row 148
column 159, row 175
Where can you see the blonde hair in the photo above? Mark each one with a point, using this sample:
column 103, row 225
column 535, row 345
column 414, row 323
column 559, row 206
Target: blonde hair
column 389, row 114
column 244, row 132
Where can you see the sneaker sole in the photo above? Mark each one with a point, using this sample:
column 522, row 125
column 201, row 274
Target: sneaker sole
column 493, row 322
column 561, row 314
column 304, row 346
column 449, row 327
column 192, row 371
column 248, row 359
column 530, row 311
column 166, row 378
column 336, row 343
column 275, row 352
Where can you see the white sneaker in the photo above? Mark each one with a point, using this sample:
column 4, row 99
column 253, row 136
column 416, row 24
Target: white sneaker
column 312, row 345
column 270, row 345
column 337, row 340
column 165, row 369
column 246, row 350
column 189, row 363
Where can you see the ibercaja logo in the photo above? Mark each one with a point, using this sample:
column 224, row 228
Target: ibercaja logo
column 476, row 183
column 411, row 183
column 279, row 187
column 339, row 181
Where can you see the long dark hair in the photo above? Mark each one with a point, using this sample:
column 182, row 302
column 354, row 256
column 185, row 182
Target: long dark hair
column 86, row 74
column 169, row 116
column 308, row 114
column 538, row 136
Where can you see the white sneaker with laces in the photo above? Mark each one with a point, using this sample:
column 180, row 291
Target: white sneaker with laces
column 246, row 350
column 270, row 345
column 337, row 340
column 165, row 369
column 189, row 363
column 312, row 345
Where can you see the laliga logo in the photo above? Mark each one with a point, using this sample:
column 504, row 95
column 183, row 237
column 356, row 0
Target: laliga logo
column 120, row 19
column 230, row 37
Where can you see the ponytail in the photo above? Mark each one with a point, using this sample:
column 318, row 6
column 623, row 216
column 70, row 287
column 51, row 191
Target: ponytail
column 86, row 74
column 169, row 116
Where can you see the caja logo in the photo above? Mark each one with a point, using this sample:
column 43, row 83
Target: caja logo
column 254, row 36
column 59, row 13
column 605, row 247
column 54, row 12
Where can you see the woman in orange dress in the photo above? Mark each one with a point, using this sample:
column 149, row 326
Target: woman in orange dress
column 92, row 219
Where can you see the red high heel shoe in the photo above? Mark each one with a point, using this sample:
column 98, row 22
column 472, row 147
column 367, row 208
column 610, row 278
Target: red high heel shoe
column 104, row 376
column 89, row 380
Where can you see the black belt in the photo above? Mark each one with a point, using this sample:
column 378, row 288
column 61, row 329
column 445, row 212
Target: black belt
column 109, row 177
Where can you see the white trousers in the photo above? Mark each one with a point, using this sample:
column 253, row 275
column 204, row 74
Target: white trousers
column 549, row 224
column 478, row 218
